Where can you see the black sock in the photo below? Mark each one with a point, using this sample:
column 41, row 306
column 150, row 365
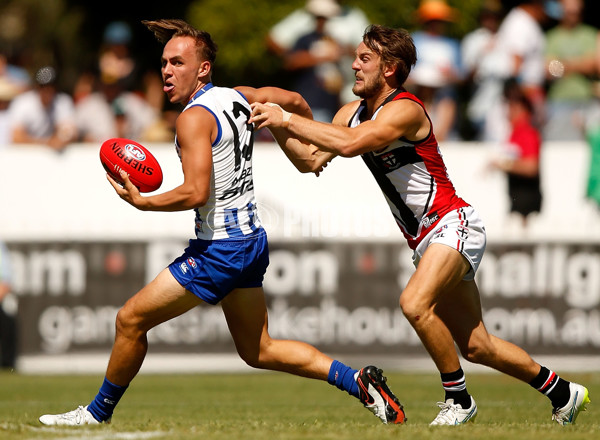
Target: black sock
column 455, row 387
column 551, row 385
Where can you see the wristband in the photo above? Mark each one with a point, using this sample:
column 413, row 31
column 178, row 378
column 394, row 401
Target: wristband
column 286, row 116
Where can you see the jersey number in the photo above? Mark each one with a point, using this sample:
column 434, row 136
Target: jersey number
column 245, row 150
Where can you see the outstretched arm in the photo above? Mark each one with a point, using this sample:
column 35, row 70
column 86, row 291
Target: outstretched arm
column 291, row 101
column 305, row 157
column 398, row 119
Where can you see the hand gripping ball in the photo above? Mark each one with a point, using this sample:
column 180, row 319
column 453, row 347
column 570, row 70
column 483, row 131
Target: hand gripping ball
column 136, row 160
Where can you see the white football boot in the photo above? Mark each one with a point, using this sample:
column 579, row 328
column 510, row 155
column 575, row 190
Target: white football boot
column 577, row 402
column 451, row 414
column 79, row 416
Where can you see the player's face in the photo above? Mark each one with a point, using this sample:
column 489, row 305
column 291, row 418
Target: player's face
column 367, row 70
column 181, row 69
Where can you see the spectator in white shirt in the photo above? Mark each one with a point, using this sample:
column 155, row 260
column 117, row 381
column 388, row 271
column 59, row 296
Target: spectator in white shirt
column 113, row 112
column 43, row 115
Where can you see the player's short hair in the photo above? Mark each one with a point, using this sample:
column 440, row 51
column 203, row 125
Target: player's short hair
column 165, row 29
column 394, row 47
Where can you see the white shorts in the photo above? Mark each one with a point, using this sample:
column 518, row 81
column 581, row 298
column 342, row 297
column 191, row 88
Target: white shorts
column 461, row 229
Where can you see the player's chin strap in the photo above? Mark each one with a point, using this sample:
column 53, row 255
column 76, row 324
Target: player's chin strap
column 286, row 116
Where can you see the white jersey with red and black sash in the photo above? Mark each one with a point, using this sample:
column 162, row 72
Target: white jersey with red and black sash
column 231, row 207
column 412, row 177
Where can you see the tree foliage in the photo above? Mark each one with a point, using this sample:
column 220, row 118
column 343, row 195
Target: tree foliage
column 41, row 32
column 67, row 33
column 240, row 29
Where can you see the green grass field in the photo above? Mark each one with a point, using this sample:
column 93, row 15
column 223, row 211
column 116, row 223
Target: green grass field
column 278, row 406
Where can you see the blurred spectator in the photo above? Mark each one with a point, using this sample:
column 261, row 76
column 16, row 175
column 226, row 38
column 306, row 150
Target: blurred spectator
column 438, row 70
column 313, row 60
column 8, row 313
column 116, row 64
column 14, row 80
column 592, row 135
column 519, row 53
column 8, row 91
column 480, row 64
column 113, row 112
column 14, row 75
column 346, row 28
column 115, row 61
column 43, row 115
column 118, row 101
column 521, row 158
column 571, row 55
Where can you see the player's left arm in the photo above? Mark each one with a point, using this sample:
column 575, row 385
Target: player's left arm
column 196, row 129
column 305, row 157
column 292, row 102
column 402, row 118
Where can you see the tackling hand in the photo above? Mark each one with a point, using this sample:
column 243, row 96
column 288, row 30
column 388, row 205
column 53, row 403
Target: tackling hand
column 269, row 115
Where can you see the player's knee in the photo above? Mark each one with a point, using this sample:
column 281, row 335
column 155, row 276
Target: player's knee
column 255, row 360
column 250, row 360
column 126, row 323
column 476, row 352
column 255, row 357
column 122, row 321
column 413, row 309
column 474, row 355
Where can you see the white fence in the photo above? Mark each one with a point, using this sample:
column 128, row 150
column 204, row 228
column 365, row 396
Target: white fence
column 46, row 195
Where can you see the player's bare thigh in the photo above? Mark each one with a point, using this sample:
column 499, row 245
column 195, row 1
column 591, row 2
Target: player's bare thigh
column 440, row 269
column 160, row 300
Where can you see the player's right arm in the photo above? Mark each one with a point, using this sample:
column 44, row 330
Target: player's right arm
column 306, row 157
column 397, row 119
column 196, row 130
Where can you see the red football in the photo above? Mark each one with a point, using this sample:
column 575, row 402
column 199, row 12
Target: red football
column 136, row 160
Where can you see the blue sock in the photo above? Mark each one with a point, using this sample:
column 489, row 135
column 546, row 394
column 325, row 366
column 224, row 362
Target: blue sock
column 107, row 398
column 343, row 377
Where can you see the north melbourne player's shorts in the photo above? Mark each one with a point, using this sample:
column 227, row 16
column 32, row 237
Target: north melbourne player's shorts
column 211, row 269
column 461, row 229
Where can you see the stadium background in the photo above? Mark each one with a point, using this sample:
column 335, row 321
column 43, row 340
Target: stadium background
column 338, row 262
column 68, row 33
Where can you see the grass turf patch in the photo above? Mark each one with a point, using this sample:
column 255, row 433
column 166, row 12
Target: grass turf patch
column 280, row 406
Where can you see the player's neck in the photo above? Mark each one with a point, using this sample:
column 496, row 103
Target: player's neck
column 200, row 89
column 377, row 101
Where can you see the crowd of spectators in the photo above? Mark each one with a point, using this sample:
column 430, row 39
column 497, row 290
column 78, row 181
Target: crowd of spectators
column 113, row 99
column 542, row 45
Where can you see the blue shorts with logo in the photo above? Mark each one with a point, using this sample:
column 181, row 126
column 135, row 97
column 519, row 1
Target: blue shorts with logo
column 211, row 269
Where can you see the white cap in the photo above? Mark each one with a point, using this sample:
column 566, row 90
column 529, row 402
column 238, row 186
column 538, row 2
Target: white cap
column 323, row 8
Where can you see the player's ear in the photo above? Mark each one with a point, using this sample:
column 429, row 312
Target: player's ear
column 204, row 69
column 389, row 70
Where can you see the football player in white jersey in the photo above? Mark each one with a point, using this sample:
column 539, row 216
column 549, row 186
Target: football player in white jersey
column 391, row 130
column 227, row 260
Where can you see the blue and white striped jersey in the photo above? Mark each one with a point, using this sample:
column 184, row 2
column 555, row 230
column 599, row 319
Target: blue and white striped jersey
column 231, row 208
